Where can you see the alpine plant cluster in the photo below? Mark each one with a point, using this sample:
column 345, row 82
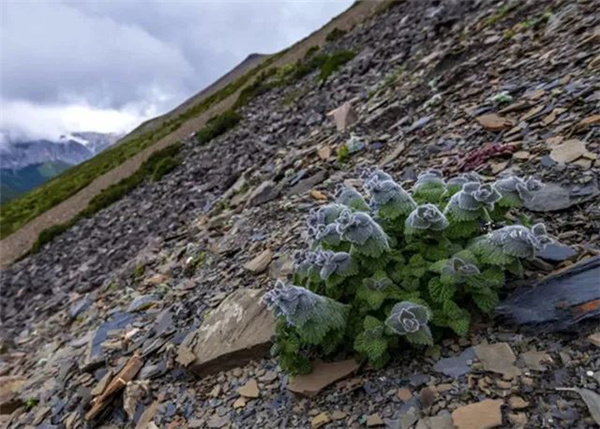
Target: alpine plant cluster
column 401, row 267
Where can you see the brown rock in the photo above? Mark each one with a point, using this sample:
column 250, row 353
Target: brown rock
column 493, row 122
column 481, row 415
column 324, row 153
column 237, row 331
column 595, row 339
column 404, row 394
column 318, row 195
column 374, row 420
column 590, row 120
column 532, row 112
column 322, row 375
column 157, row 279
column 517, row 403
column 518, row 420
column 260, row 262
column 250, row 389
column 498, row 358
column 10, row 387
column 522, row 155
column 344, row 116
column 239, row 403
column 338, row 415
column 99, row 388
column 534, row 360
column 320, row 420
column 427, row 397
column 568, row 151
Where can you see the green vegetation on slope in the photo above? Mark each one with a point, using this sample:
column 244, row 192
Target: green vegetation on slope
column 218, row 125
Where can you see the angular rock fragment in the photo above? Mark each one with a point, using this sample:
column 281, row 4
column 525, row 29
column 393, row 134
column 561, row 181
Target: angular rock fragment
column 493, row 122
column 10, row 387
column 264, row 193
column 456, row 366
column 343, row 116
column 322, row 375
column 250, row 389
column 481, row 415
column 237, row 331
column 260, row 262
column 498, row 358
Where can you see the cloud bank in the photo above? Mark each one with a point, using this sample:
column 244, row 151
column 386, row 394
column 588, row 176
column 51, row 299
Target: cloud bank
column 108, row 65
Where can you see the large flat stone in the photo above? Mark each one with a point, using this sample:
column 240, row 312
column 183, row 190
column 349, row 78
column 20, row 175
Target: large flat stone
column 238, row 330
column 322, row 375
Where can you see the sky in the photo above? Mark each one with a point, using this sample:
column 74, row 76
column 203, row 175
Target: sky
column 108, row 65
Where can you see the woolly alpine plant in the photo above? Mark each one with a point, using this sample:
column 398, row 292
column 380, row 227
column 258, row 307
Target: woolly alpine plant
column 392, row 267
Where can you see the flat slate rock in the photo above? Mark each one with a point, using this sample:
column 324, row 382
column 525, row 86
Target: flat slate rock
column 238, row 330
column 556, row 252
column 553, row 197
column 322, row 375
column 456, row 366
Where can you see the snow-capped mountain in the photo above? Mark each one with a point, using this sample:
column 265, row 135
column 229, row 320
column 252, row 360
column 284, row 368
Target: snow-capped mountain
column 70, row 149
column 25, row 165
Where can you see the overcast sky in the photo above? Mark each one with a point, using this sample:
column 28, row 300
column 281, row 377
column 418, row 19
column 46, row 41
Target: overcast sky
column 107, row 65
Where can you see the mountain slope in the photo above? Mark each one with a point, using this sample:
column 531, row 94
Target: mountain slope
column 60, row 201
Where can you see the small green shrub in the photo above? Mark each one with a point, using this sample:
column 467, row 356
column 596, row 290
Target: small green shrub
column 47, row 235
column 334, row 62
column 343, row 154
column 335, row 34
column 164, row 166
column 218, row 125
column 401, row 269
column 311, row 51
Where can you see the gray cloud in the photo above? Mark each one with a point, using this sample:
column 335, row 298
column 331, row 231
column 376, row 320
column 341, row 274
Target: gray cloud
column 135, row 57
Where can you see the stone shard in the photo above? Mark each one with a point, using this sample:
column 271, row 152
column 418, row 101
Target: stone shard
column 535, row 360
column 260, row 262
column 322, row 375
column 250, row 389
column 374, row 420
column 481, row 415
column 493, row 122
column 568, row 151
column 553, row 197
column 264, row 193
column 10, row 387
column 238, row 330
column 344, row 116
column 307, row 184
column 320, row 420
column 456, row 366
column 498, row 358
column 400, row 147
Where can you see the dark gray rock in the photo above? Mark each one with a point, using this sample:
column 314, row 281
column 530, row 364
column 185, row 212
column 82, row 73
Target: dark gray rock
column 456, row 366
column 556, row 252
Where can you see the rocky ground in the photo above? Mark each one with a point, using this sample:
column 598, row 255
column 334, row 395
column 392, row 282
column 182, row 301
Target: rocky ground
column 496, row 87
